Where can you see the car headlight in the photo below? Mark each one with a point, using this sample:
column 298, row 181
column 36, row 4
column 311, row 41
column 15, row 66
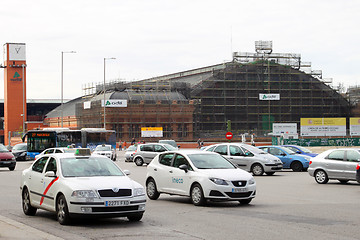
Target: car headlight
column 251, row 181
column 219, row 181
column 84, row 194
column 307, row 158
column 139, row 192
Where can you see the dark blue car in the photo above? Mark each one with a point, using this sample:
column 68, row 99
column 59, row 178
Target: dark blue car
column 289, row 158
column 301, row 150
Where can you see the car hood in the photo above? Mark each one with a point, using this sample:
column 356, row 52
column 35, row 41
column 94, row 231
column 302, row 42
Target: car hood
column 92, row 183
column 227, row 174
column 6, row 155
column 101, row 152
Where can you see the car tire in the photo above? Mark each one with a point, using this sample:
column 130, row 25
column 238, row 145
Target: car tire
column 197, row 195
column 321, row 177
column 270, row 173
column 257, row 169
column 138, row 161
column 26, row 205
column 296, row 166
column 343, row 181
column 135, row 217
column 62, row 211
column 151, row 189
column 245, row 201
column 12, row 168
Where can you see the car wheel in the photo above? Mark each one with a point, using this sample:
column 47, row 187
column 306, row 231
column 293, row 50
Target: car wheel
column 296, row 166
column 343, row 181
column 135, row 217
column 257, row 169
column 151, row 190
column 270, row 173
column 26, row 205
column 138, row 161
column 12, row 168
column 197, row 195
column 321, row 177
column 62, row 212
column 245, row 201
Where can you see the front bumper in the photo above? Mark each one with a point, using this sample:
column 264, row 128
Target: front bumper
column 230, row 193
column 269, row 167
column 11, row 163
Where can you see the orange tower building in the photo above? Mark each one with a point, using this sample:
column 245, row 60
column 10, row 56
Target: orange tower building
column 15, row 89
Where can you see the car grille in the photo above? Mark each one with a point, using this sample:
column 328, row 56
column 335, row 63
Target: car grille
column 8, row 159
column 238, row 195
column 239, row 183
column 111, row 193
column 115, row 209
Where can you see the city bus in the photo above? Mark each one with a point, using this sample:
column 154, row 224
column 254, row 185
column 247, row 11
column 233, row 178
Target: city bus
column 39, row 140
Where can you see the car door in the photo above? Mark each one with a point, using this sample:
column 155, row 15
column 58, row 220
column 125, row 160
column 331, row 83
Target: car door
column 180, row 179
column 35, row 181
column 283, row 156
column 237, row 156
column 49, row 185
column 352, row 159
column 335, row 164
column 147, row 152
column 162, row 172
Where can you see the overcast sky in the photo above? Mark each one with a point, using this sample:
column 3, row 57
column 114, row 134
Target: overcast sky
column 151, row 38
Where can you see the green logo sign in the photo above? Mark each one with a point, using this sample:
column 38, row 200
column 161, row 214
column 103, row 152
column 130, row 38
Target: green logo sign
column 16, row 75
column 107, row 103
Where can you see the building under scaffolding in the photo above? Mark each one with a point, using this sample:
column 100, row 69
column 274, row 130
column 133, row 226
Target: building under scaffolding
column 199, row 102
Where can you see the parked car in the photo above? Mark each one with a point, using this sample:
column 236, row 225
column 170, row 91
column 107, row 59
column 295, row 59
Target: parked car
column 7, row 159
column 289, row 158
column 301, row 150
column 106, row 150
column 80, row 184
column 19, row 151
column 170, row 142
column 248, row 158
column 358, row 172
column 199, row 175
column 340, row 164
column 129, row 153
column 146, row 152
column 56, row 150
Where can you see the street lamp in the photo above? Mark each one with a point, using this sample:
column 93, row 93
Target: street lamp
column 104, row 91
column 62, row 86
column 23, row 93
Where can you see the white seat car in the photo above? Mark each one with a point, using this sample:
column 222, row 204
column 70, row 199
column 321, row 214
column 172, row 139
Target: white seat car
column 106, row 150
column 200, row 175
column 55, row 150
column 80, row 184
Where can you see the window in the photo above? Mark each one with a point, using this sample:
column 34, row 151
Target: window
column 159, row 148
column 147, row 148
column 165, row 159
column 51, row 165
column 336, row 155
column 275, row 151
column 236, row 151
column 49, row 151
column 58, row 151
column 221, row 149
column 353, row 156
column 181, row 160
column 211, row 149
column 39, row 164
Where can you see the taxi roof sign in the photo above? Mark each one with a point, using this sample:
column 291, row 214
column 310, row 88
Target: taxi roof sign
column 83, row 152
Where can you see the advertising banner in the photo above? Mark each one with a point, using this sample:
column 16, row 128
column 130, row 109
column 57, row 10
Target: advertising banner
column 284, row 128
column 114, row 103
column 323, row 126
column 269, row 96
column 354, row 126
column 151, row 132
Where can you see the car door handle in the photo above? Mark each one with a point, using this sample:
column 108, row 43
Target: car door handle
column 155, row 169
column 170, row 171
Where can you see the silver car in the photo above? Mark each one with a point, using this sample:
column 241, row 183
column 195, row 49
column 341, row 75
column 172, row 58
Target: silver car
column 129, row 153
column 248, row 158
column 337, row 164
column 145, row 153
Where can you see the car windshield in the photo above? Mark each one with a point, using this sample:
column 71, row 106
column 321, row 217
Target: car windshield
column 88, row 167
column 287, row 150
column 103, row 148
column 170, row 142
column 20, row 147
column 3, row 148
column 305, row 150
column 169, row 147
column 210, row 161
column 254, row 150
column 131, row 148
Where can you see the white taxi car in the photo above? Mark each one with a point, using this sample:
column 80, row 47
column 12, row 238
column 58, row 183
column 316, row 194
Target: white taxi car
column 106, row 150
column 200, row 175
column 80, row 184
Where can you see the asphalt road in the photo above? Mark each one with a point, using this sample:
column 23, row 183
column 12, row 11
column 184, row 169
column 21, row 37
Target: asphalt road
column 288, row 205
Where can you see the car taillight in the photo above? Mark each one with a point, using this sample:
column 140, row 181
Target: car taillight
column 310, row 162
column 357, row 167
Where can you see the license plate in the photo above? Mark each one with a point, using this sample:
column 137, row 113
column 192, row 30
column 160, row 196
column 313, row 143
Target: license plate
column 236, row 190
column 116, row 203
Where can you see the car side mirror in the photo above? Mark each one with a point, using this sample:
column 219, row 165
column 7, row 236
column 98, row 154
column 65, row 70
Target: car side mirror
column 298, row 152
column 184, row 167
column 283, row 154
column 50, row 174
